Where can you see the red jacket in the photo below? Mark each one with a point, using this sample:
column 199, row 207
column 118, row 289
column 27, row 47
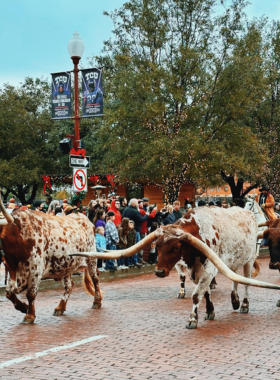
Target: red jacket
column 144, row 229
column 118, row 215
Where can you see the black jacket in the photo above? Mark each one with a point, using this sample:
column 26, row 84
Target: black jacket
column 170, row 219
column 177, row 214
column 133, row 214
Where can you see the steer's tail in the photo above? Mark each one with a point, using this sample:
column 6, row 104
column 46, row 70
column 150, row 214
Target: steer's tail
column 88, row 284
column 257, row 268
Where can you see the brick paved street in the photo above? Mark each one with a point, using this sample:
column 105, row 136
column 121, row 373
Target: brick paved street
column 146, row 335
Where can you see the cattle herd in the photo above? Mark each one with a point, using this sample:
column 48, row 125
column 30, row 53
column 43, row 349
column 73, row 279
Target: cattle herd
column 205, row 240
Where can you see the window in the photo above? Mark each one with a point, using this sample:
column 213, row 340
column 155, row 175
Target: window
column 226, row 188
column 212, row 189
column 218, row 189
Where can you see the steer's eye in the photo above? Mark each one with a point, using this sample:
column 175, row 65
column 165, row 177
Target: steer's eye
column 177, row 248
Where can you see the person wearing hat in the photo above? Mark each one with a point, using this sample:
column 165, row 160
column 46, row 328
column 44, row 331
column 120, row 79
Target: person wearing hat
column 12, row 203
column 144, row 227
column 112, row 238
column 69, row 210
column 145, row 204
column 266, row 202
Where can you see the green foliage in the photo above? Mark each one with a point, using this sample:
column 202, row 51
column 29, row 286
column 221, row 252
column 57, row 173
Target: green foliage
column 28, row 144
column 77, row 198
column 180, row 83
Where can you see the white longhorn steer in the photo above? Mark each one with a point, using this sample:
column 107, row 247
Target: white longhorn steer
column 208, row 240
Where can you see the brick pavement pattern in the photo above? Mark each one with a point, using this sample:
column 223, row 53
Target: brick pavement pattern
column 147, row 338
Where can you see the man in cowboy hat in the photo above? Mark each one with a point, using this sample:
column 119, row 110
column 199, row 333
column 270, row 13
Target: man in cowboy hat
column 266, row 202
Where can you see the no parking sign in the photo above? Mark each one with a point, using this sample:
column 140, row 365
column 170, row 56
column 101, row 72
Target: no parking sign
column 79, row 179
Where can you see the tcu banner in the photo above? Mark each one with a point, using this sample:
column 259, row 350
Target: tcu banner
column 61, row 95
column 92, row 92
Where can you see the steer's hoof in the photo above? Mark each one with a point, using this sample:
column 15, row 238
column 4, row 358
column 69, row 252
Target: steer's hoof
column 278, row 303
column 212, row 286
column 236, row 305
column 96, row 306
column 244, row 309
column 181, row 295
column 191, row 325
column 58, row 312
column 28, row 319
column 209, row 316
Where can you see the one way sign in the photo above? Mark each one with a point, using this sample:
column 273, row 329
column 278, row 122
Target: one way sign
column 79, row 162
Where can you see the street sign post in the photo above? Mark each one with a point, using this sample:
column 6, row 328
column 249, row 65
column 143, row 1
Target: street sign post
column 79, row 162
column 80, row 179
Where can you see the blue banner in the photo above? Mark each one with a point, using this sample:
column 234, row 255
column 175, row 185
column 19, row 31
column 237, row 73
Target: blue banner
column 61, row 96
column 92, row 92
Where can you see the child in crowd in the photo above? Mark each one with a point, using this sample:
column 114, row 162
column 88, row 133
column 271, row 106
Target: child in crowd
column 112, row 238
column 100, row 241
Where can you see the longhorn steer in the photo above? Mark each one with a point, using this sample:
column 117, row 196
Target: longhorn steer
column 36, row 245
column 208, row 240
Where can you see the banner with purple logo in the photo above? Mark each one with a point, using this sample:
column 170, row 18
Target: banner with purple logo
column 92, row 92
column 61, row 96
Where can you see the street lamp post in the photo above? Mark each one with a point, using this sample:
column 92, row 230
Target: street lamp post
column 76, row 48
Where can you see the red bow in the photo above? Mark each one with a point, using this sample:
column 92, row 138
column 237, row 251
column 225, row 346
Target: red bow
column 47, row 182
column 79, row 152
column 110, row 180
column 94, row 178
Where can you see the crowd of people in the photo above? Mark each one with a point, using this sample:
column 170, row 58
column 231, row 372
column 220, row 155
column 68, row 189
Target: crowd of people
column 119, row 225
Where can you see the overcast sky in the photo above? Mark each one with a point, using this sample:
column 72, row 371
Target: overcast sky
column 34, row 33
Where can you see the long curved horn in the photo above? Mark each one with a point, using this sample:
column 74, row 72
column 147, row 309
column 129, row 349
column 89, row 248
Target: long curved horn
column 7, row 216
column 112, row 255
column 221, row 266
column 260, row 235
column 262, row 224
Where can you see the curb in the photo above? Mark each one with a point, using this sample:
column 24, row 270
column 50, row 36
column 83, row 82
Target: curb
column 103, row 277
column 264, row 252
column 110, row 276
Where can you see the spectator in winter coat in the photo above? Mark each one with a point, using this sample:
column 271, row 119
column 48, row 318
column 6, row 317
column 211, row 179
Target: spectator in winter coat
column 131, row 240
column 112, row 238
column 170, row 219
column 145, row 203
column 144, row 227
column 115, row 206
column 100, row 241
column 91, row 210
column 266, row 202
column 123, row 202
column 99, row 219
column 123, row 230
column 133, row 213
column 152, row 214
column 176, row 210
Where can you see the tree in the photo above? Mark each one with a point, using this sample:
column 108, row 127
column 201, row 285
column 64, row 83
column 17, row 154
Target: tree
column 265, row 118
column 179, row 83
column 28, row 147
